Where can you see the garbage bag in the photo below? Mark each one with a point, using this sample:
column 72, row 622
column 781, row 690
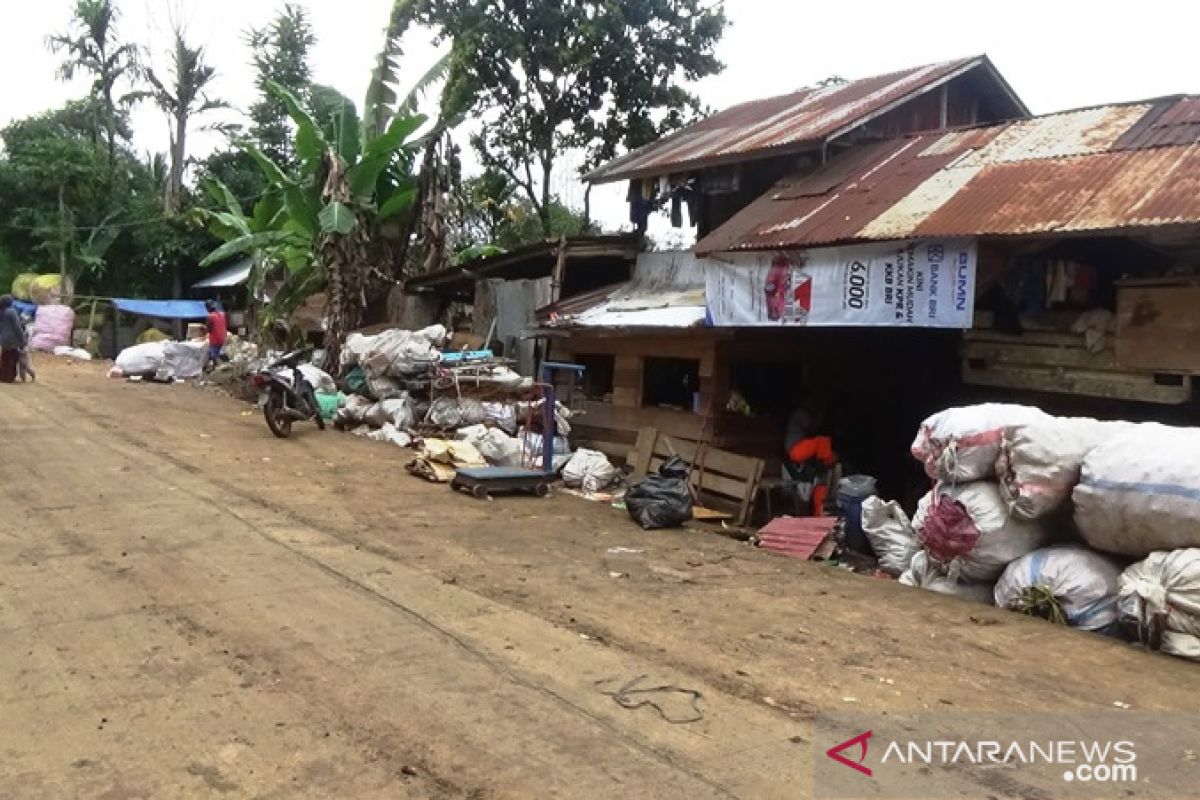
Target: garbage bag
column 330, row 403
column 1139, row 491
column 969, row 526
column 389, row 433
column 352, row 412
column 393, row 352
column 502, row 415
column 1039, row 463
column 925, row 573
column 962, row 444
column 589, row 470
column 22, row 284
column 663, row 500
column 396, row 412
column 1160, row 598
column 1066, row 583
column 52, row 328
column 534, row 442
column 890, row 533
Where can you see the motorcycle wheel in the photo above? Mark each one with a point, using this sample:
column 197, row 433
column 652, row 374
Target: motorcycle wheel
column 272, row 411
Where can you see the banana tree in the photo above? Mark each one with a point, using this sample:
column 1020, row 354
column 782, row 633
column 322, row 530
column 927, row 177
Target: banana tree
column 324, row 223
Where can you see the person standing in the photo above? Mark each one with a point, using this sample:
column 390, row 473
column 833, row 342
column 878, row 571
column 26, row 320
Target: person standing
column 12, row 339
column 218, row 330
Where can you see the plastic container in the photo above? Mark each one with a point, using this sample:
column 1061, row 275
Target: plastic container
column 852, row 490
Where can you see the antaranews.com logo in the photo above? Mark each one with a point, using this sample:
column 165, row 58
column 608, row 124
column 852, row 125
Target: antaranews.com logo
column 1095, row 756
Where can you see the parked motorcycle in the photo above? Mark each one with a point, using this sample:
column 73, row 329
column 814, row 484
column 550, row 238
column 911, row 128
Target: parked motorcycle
column 285, row 396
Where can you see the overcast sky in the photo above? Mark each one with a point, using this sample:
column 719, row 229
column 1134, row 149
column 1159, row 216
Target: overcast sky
column 1057, row 54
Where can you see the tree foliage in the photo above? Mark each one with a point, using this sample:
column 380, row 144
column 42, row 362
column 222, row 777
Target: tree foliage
column 591, row 75
column 280, row 55
column 491, row 213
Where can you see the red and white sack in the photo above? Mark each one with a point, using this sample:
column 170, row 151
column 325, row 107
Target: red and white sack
column 1040, row 462
column 968, row 526
column 52, row 328
column 1140, row 491
column 1161, row 596
column 1082, row 581
column 961, row 444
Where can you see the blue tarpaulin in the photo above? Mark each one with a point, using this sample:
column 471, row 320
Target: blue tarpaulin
column 163, row 309
column 23, row 307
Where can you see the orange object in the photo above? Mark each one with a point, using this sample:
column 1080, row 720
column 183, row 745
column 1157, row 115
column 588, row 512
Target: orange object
column 814, row 447
column 820, row 492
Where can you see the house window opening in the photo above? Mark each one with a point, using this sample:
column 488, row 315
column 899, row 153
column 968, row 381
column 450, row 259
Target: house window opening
column 671, row 383
column 598, row 375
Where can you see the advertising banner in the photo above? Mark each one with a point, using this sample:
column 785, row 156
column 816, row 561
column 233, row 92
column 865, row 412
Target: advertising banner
column 927, row 283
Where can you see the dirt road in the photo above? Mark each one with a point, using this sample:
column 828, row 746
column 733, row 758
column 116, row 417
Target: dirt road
column 189, row 607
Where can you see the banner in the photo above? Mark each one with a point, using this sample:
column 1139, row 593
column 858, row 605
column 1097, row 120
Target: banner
column 929, row 283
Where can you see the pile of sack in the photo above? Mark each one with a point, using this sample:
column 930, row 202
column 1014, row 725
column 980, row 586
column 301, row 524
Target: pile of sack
column 1044, row 515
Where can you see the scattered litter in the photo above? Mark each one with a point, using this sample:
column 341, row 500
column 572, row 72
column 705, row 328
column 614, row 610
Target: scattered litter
column 628, row 695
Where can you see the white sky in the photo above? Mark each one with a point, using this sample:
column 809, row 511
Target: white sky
column 1057, row 54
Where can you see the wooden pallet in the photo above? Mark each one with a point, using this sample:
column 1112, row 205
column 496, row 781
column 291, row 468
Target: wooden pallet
column 727, row 481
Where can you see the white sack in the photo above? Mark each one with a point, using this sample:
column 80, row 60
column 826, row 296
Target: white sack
column 353, row 411
column 471, row 433
column 589, row 470
column 1039, row 463
column 534, row 442
column 498, row 448
column 393, row 352
column 502, row 415
column 925, row 573
column 1161, row 595
column 450, row 412
column 319, row 379
column 980, row 542
column 890, row 532
column 1083, row 582
column 52, row 328
column 141, row 358
column 388, row 433
column 962, row 444
column 397, row 413
column 73, row 352
column 1140, row 491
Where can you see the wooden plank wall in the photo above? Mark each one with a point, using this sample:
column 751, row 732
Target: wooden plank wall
column 612, row 427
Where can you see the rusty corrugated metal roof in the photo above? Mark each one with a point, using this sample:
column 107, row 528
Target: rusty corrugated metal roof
column 789, row 123
column 1097, row 169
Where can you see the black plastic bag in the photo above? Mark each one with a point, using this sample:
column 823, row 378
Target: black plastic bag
column 663, row 500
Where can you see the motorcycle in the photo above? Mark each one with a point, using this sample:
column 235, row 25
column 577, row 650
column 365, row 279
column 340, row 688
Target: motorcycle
column 285, row 396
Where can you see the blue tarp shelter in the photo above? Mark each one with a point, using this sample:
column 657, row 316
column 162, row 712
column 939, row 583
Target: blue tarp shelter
column 163, row 309
column 23, row 307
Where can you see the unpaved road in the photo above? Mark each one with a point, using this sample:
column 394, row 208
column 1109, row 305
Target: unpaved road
column 189, row 608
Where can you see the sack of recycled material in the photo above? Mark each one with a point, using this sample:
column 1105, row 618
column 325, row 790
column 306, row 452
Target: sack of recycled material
column 393, row 352
column 1160, row 597
column 925, row 573
column 22, row 284
column 182, row 360
column 52, row 328
column 1040, row 462
column 351, row 414
column 1066, row 583
column 319, row 379
column 141, row 359
column 1140, row 491
column 498, row 448
column 397, row 412
column 448, row 413
column 388, row 433
column 661, row 500
column 961, row 444
column 890, row 533
column 968, row 527
column 589, row 470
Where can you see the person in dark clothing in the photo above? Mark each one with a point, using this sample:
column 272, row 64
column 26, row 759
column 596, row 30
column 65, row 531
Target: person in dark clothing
column 12, row 339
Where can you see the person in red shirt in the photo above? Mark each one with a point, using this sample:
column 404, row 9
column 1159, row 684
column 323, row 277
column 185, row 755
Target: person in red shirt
column 217, row 328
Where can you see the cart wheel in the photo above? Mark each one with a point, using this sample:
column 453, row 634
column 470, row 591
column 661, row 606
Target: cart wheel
column 479, row 492
column 455, row 485
column 542, row 489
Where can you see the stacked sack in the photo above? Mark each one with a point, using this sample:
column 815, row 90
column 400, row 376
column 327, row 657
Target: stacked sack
column 1139, row 496
column 967, row 532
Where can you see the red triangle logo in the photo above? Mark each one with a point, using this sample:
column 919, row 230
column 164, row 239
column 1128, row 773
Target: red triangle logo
column 835, row 753
column 803, row 293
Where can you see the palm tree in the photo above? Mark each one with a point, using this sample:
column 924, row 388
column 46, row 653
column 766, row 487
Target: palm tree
column 91, row 45
column 182, row 97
